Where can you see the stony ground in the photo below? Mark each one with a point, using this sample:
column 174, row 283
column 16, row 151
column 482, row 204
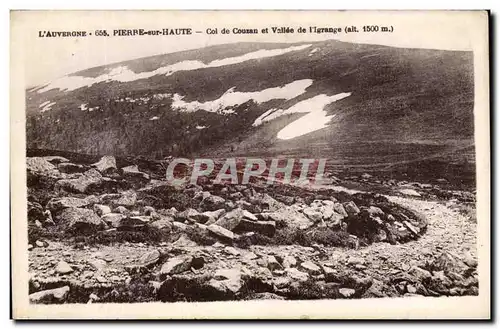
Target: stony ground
column 111, row 236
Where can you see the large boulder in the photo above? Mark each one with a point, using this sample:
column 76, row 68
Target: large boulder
column 57, row 204
column 351, row 208
column 270, row 204
column 132, row 223
column 221, row 233
column 190, row 215
column 39, row 165
column 231, row 220
column 106, row 165
column 264, row 227
column 210, row 217
column 126, row 199
column 49, row 296
column 227, row 281
column 175, row 265
column 213, row 202
column 63, row 268
column 90, row 179
column 79, row 219
column 133, row 173
column 113, row 219
column 290, row 216
column 101, row 209
column 162, row 224
column 147, row 260
column 449, row 263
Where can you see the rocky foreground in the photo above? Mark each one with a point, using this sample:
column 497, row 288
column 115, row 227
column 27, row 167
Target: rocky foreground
column 99, row 232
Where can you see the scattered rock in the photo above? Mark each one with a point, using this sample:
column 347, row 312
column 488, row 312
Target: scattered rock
column 419, row 273
column 409, row 192
column 351, row 208
column 347, row 292
column 227, row 280
column 355, row 261
column 35, row 211
column 289, row 261
column 57, row 204
column 132, row 223
column 191, row 215
column 51, row 295
column 292, row 217
column 249, row 216
column 273, row 264
column 101, row 279
column 295, row 274
column 133, row 173
column 175, row 265
column 266, row 296
column 127, row 199
column 97, row 264
column 411, row 289
column 122, row 210
column 221, row 232
column 413, row 229
column 39, row 165
column 313, row 214
column 449, row 262
column 213, row 202
column 310, row 268
column 93, row 297
column 83, row 184
column 79, row 219
column 101, row 209
column 265, row 227
column 230, row 220
column 113, row 219
column 149, row 211
column 179, row 226
column 106, row 164
column 162, row 224
column 184, row 241
column 63, row 268
column 150, row 258
column 231, row 251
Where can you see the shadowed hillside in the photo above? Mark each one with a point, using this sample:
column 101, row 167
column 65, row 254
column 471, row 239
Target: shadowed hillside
column 205, row 101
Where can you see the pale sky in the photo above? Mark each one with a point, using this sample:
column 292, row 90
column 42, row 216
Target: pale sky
column 49, row 58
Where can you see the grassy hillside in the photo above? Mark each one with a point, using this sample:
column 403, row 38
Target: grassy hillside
column 408, row 101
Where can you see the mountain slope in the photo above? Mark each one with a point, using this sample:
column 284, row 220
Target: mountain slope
column 336, row 99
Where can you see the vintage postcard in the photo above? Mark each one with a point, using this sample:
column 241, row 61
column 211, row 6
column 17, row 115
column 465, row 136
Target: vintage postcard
column 250, row 165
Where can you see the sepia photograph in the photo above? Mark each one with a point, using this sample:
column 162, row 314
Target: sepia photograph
column 172, row 159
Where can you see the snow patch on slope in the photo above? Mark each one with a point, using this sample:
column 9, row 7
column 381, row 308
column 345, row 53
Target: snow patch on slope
column 48, row 107
column 313, row 51
column 124, row 74
column 43, row 104
column 233, row 98
column 315, row 119
column 84, row 107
